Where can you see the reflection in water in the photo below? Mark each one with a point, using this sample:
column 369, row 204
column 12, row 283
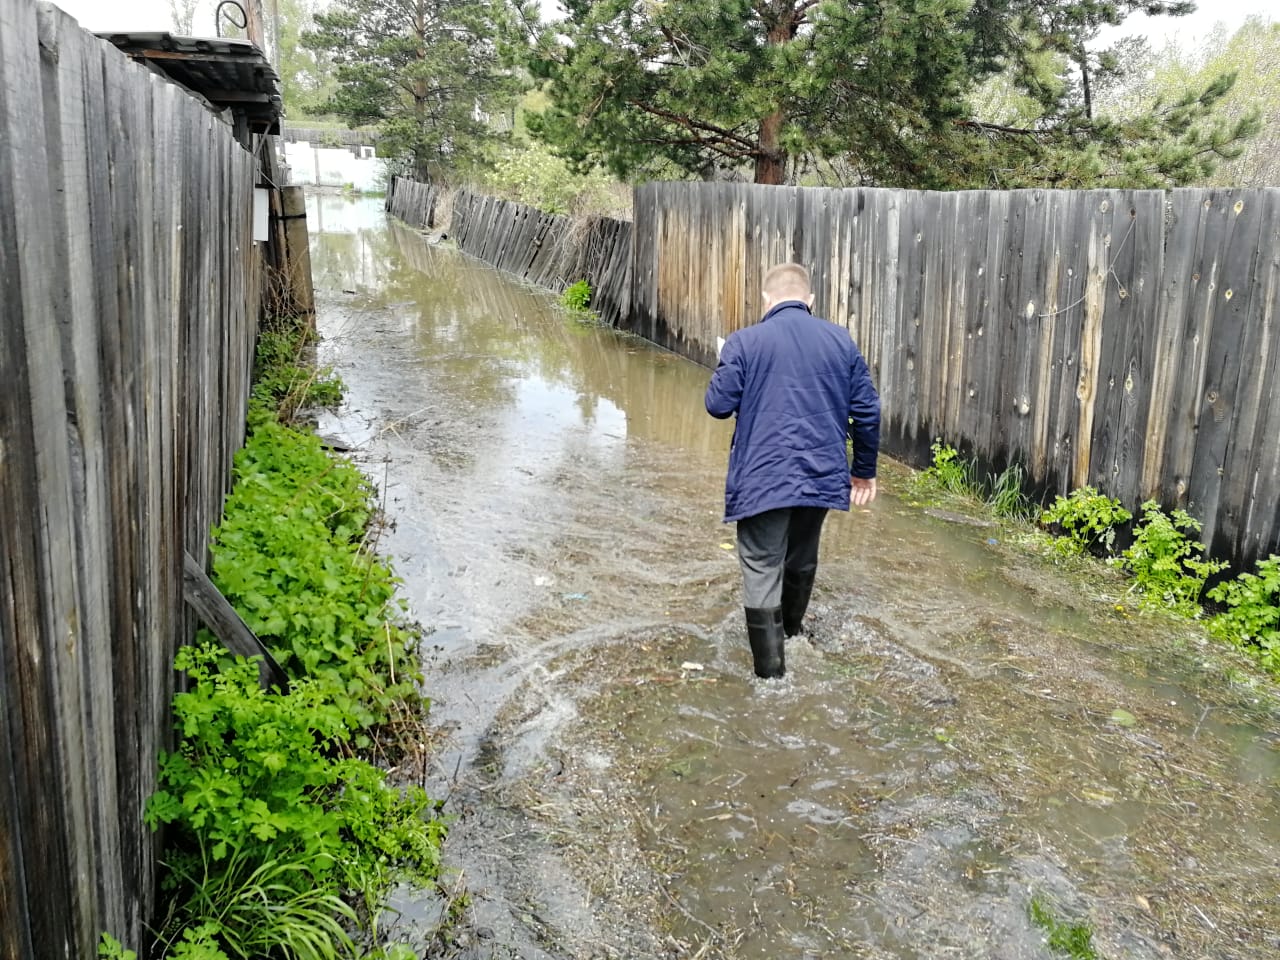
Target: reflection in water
column 943, row 745
column 658, row 393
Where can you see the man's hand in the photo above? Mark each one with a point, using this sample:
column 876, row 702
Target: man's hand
column 864, row 491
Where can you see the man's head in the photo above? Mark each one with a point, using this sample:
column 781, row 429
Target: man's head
column 786, row 281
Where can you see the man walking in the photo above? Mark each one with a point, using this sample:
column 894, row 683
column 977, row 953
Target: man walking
column 799, row 386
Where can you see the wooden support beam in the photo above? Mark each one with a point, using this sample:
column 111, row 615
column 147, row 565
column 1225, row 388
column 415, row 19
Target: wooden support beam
column 235, row 96
column 294, row 204
column 255, row 30
column 219, row 616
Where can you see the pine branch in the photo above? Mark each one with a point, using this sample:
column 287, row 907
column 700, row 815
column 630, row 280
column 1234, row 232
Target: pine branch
column 719, row 133
column 1000, row 129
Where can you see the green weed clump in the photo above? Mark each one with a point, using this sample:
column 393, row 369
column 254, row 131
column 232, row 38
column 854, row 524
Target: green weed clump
column 948, row 472
column 1073, row 940
column 1251, row 619
column 576, row 297
column 284, row 384
column 275, row 820
column 291, row 556
column 952, row 475
column 1084, row 522
column 1169, row 567
column 1007, row 499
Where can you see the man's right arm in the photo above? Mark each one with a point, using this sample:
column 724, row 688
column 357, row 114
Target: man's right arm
column 724, row 393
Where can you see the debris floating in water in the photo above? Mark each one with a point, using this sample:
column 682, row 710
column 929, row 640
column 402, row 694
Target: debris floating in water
column 1123, row 718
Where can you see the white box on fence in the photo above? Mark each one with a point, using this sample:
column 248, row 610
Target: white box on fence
column 261, row 214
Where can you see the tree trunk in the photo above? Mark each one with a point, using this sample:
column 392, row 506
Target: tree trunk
column 1083, row 60
column 770, row 160
column 420, row 172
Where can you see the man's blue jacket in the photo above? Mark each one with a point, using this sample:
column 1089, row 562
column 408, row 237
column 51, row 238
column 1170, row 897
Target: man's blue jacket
column 794, row 381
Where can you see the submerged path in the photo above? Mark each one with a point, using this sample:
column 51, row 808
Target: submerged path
column 967, row 729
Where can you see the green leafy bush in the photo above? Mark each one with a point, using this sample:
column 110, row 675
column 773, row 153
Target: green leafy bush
column 291, row 557
column 948, row 472
column 269, row 805
column 1085, row 521
column 1169, row 568
column 530, row 173
column 1251, row 619
column 577, row 296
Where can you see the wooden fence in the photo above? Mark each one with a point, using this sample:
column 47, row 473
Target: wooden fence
column 130, row 288
column 543, row 248
column 1123, row 339
column 1127, row 340
column 328, row 137
column 413, row 202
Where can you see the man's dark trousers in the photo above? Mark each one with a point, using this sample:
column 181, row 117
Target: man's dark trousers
column 778, row 550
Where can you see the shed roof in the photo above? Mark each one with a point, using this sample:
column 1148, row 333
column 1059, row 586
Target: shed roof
column 228, row 73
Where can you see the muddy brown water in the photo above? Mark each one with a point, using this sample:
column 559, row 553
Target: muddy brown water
column 966, row 726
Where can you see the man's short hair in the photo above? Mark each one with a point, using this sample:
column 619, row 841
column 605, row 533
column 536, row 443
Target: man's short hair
column 787, row 281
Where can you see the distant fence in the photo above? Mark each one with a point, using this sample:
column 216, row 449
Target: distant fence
column 131, row 289
column 1127, row 340
column 321, row 137
column 413, row 202
column 543, row 248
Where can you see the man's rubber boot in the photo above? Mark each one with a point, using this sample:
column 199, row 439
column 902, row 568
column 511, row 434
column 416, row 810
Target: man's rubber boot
column 796, row 588
column 764, row 630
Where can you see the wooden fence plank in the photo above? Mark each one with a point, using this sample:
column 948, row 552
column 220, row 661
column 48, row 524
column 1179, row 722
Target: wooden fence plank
column 60, row 895
column 102, row 485
column 1253, row 464
column 1234, row 305
column 25, row 740
column 70, row 79
column 982, row 341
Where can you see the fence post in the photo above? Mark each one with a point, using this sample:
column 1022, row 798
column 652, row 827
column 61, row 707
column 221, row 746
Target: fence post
column 298, row 252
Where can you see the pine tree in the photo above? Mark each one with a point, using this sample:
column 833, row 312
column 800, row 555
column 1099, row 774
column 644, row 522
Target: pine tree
column 428, row 72
column 880, row 90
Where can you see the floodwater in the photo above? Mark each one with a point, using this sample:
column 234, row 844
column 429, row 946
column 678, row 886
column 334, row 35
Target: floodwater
column 967, row 726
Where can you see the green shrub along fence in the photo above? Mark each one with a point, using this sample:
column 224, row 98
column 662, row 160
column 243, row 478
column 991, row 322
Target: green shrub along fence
column 1123, row 340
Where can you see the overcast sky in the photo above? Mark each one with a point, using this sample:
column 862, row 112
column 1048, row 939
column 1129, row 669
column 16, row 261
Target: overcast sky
column 140, row 15
column 1191, row 30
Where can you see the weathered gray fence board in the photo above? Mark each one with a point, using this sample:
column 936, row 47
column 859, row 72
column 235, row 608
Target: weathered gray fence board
column 1235, row 307
column 48, row 827
column 69, row 89
column 117, row 423
column 1255, row 458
